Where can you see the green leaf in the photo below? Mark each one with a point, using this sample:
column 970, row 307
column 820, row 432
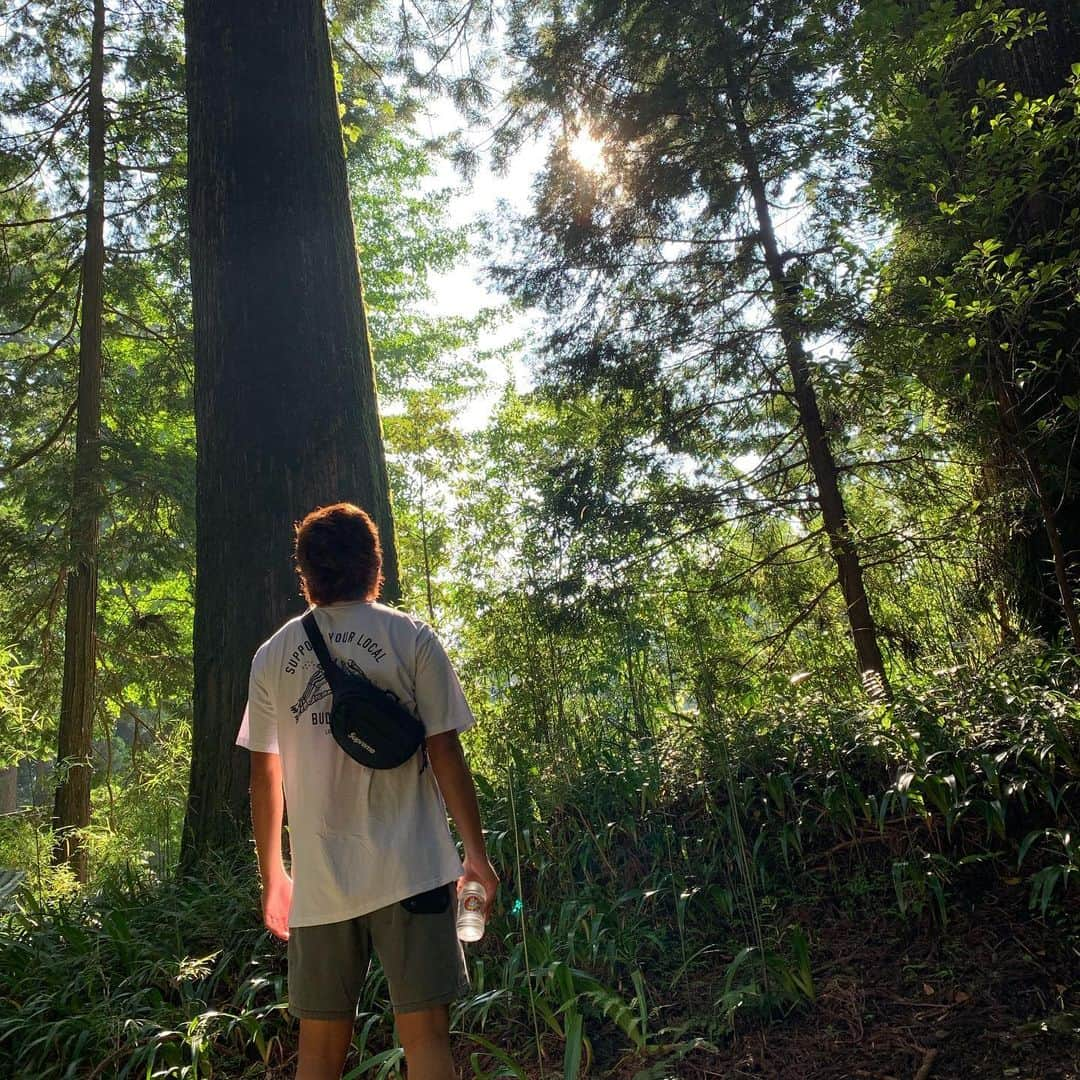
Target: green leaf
column 501, row 1056
column 574, row 1025
column 1027, row 843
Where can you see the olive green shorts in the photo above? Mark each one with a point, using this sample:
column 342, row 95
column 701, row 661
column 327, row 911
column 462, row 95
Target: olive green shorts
column 415, row 940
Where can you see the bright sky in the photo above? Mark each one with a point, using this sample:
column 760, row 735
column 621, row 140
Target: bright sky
column 463, row 291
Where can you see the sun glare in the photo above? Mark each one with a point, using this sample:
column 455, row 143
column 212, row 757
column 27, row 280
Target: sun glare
column 587, row 151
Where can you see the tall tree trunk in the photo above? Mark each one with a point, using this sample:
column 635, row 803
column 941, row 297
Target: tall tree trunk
column 1038, row 66
column 285, row 401
column 1015, row 440
column 822, row 464
column 71, row 811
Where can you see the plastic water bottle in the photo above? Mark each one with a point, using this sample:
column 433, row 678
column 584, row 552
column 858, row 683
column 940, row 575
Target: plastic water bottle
column 470, row 912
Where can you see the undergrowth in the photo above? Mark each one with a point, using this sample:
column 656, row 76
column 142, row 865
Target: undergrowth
column 650, row 901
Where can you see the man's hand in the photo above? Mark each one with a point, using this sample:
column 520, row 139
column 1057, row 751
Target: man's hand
column 480, row 869
column 276, row 901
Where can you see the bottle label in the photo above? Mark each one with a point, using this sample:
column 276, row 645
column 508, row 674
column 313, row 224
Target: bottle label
column 472, row 904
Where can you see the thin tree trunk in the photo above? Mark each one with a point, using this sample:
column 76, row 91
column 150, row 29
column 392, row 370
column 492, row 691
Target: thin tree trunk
column 135, row 759
column 1061, row 571
column 71, row 811
column 1001, row 601
column 641, row 728
column 557, row 686
column 285, row 402
column 39, row 793
column 426, row 551
column 539, row 699
column 673, row 695
column 822, row 464
column 9, row 790
column 109, row 774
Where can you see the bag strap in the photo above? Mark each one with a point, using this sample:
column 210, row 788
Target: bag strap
column 311, row 628
column 333, row 673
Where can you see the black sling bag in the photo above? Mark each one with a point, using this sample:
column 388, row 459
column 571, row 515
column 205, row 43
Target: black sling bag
column 369, row 723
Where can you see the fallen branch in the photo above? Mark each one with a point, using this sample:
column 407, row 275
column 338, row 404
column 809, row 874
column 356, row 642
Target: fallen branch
column 927, row 1065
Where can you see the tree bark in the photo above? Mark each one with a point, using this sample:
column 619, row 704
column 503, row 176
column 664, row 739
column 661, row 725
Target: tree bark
column 285, row 399
column 71, row 810
column 1011, row 425
column 822, row 464
column 1038, row 66
column 425, row 545
column 9, row 790
column 1061, row 560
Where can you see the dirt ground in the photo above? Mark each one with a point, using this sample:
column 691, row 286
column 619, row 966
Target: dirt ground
column 995, row 994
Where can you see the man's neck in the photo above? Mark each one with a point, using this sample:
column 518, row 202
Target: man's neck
column 350, row 600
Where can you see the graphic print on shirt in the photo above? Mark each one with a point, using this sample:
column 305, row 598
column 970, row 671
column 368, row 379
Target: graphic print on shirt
column 318, row 688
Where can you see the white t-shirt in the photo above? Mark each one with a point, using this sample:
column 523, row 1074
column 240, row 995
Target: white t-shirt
column 360, row 838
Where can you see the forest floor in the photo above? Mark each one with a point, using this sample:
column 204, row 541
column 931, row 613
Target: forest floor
column 995, row 994
column 798, row 920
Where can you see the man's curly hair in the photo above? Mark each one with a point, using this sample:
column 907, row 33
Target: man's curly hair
column 338, row 555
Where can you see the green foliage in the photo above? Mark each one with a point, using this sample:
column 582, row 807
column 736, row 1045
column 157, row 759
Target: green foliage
column 628, row 564
column 685, row 334
column 423, row 448
column 642, row 935
column 19, row 732
column 973, row 148
column 125, row 982
column 146, row 557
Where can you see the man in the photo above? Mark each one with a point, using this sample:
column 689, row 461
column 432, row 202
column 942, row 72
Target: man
column 372, row 855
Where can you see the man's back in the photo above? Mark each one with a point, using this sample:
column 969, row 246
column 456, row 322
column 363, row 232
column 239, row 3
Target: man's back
column 361, row 838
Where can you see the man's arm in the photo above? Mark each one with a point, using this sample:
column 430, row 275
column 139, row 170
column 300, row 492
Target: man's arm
column 267, row 813
column 456, row 784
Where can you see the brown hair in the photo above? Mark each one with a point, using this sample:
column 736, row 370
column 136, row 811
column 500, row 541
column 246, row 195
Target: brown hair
column 338, row 555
